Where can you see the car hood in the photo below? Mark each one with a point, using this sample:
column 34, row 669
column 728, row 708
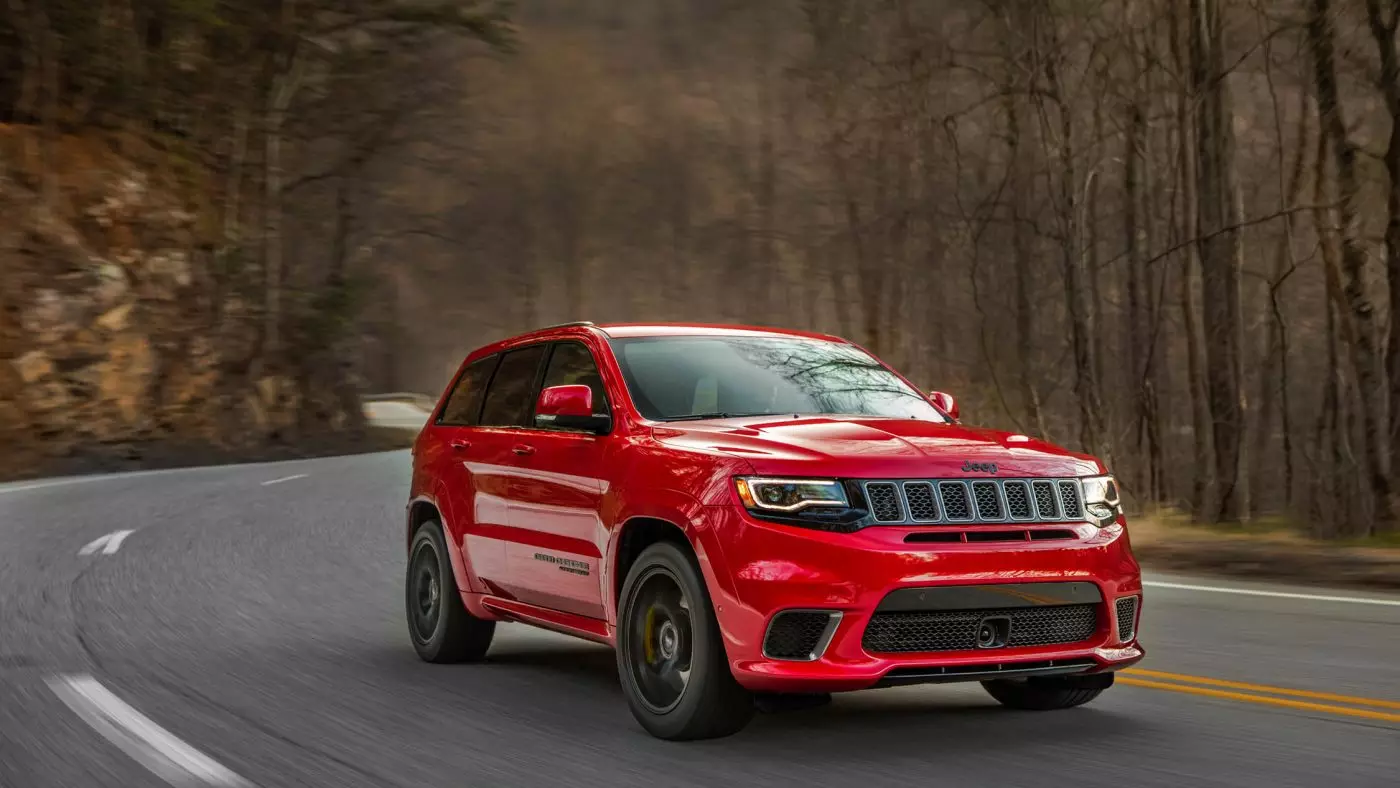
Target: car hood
column 872, row 447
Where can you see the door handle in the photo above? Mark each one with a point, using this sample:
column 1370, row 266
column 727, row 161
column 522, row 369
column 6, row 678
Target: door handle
column 460, row 445
column 522, row 450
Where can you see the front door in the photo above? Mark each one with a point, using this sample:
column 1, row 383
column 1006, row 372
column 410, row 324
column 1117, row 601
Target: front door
column 555, row 508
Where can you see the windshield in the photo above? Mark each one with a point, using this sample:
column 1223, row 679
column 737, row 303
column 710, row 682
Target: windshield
column 673, row 378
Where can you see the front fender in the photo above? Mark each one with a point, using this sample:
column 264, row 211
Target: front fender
column 690, row 516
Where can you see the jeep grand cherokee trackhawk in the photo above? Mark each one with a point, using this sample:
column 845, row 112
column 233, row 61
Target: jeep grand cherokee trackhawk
column 748, row 514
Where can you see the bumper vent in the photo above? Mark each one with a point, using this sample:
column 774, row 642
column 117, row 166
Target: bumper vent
column 799, row 635
column 1125, row 610
column 956, row 630
column 974, row 501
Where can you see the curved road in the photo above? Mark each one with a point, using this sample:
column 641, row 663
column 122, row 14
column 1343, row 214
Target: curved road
column 248, row 631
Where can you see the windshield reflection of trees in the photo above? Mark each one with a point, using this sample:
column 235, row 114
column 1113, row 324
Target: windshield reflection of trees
column 832, row 378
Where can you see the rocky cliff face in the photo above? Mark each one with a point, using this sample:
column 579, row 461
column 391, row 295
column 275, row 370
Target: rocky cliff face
column 115, row 335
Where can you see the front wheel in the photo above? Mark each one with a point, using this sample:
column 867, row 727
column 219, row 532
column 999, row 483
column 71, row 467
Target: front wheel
column 1047, row 693
column 670, row 655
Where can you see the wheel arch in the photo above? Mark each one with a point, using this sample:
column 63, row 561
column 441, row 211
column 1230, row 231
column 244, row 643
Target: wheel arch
column 675, row 517
column 636, row 535
column 420, row 510
column 425, row 508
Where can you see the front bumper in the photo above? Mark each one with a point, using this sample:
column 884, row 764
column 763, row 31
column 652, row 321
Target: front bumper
column 771, row 568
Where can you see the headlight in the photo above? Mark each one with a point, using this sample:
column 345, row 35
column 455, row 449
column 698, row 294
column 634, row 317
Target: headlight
column 1101, row 499
column 789, row 495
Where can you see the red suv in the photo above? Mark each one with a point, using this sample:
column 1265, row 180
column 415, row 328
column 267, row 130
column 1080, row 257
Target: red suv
column 756, row 515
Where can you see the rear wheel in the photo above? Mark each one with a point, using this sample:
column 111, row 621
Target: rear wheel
column 1047, row 693
column 442, row 628
column 670, row 654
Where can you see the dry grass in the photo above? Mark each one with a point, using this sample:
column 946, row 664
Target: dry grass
column 1270, row 548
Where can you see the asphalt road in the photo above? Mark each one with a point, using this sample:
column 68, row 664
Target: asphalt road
column 253, row 617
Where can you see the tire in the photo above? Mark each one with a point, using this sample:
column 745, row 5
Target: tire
column 440, row 626
column 709, row 703
column 1048, row 693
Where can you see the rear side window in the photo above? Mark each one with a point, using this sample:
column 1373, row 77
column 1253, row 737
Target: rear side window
column 464, row 403
column 572, row 365
column 509, row 398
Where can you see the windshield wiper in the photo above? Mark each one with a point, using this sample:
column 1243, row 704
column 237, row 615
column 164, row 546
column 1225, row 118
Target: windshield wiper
column 716, row 415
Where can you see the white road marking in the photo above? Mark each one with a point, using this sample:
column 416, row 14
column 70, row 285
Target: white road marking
column 136, row 735
column 286, row 479
column 1356, row 600
column 108, row 544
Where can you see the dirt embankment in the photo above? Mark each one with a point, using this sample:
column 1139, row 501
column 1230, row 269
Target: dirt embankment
column 1270, row 556
column 126, row 330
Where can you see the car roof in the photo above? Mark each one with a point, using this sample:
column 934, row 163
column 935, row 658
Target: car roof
column 629, row 330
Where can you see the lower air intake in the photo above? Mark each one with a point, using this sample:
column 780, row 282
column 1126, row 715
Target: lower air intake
column 956, row 630
column 1125, row 610
column 798, row 634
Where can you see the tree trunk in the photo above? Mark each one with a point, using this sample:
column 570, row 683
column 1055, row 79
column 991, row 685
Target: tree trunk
column 284, row 88
column 1202, row 471
column 1273, row 390
column 1139, row 353
column 1220, row 253
column 1358, row 317
column 1024, row 278
column 1081, row 316
column 1383, row 27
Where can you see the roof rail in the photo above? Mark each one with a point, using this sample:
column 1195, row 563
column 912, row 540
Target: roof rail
column 568, row 325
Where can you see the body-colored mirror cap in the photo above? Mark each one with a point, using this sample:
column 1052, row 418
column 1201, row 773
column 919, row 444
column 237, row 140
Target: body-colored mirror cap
column 574, row 400
column 945, row 403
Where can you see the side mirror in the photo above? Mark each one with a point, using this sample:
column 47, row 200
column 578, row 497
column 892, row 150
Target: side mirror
column 945, row 403
column 569, row 407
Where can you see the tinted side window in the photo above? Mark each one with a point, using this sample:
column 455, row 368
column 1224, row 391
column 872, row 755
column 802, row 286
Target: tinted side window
column 509, row 399
column 572, row 365
column 464, row 403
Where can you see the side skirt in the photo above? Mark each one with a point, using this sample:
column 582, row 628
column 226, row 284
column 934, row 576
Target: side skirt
column 592, row 629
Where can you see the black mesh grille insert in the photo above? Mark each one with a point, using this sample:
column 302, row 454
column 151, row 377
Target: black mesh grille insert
column 1045, row 500
column 795, row 634
column 987, row 499
column 884, row 503
column 956, row 630
column 1018, row 500
column 919, row 496
column 955, row 503
column 1069, row 497
column 1125, row 609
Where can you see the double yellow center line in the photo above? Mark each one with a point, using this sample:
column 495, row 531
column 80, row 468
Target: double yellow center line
column 1304, row 700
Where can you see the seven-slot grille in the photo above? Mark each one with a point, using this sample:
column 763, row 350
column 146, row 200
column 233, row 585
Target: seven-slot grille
column 956, row 630
column 974, row 500
column 1125, row 609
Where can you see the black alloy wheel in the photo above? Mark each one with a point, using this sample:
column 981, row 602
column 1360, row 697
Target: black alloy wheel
column 670, row 652
column 440, row 626
column 660, row 658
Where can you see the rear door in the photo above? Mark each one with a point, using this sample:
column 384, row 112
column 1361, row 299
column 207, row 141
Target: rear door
column 557, row 509
column 492, row 466
column 444, row 457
